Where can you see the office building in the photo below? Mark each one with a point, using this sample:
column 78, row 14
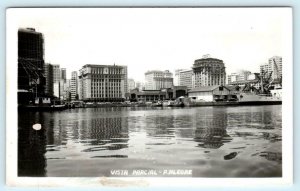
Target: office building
column 74, row 85
column 102, row 83
column 63, row 74
column 208, row 71
column 31, row 61
column 156, row 80
column 184, row 78
column 274, row 65
column 131, row 84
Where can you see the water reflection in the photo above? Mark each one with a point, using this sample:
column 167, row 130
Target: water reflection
column 31, row 146
column 211, row 129
column 110, row 133
column 156, row 138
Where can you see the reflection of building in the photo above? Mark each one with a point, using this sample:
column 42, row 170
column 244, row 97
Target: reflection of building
column 102, row 82
column 30, row 63
column 156, row 80
column 211, row 129
column 208, row 72
column 274, row 65
column 74, row 85
column 31, row 145
column 49, row 79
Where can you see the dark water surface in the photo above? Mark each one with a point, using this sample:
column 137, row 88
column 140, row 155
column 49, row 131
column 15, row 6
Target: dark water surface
column 207, row 141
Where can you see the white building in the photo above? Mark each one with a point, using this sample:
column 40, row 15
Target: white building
column 239, row 76
column 156, row 80
column 102, row 82
column 184, row 78
column 209, row 93
column 274, row 65
column 177, row 77
column 131, row 84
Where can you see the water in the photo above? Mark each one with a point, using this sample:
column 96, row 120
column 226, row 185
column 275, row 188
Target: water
column 203, row 141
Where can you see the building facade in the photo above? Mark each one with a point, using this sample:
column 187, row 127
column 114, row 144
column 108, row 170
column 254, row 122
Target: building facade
column 274, row 65
column 208, row 72
column 74, row 85
column 131, row 84
column 102, row 82
column 56, row 73
column 176, row 76
column 48, row 68
column 31, row 61
column 63, row 74
column 156, row 80
column 240, row 76
column 185, row 78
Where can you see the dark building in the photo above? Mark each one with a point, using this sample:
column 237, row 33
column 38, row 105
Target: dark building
column 31, row 80
column 63, row 75
column 48, row 68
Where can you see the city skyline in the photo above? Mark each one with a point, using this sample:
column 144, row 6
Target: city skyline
column 162, row 39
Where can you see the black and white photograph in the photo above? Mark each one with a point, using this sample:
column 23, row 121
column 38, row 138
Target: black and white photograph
column 143, row 93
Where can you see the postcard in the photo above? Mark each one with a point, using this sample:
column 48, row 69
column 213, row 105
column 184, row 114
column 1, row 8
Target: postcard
column 149, row 96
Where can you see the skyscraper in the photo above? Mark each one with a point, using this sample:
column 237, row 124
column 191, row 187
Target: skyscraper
column 56, row 80
column 31, row 61
column 63, row 74
column 184, row 78
column 208, row 71
column 74, row 85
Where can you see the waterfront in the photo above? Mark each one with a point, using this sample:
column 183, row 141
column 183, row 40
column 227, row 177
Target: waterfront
column 242, row 141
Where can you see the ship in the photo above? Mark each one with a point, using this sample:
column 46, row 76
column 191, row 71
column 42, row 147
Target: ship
column 267, row 91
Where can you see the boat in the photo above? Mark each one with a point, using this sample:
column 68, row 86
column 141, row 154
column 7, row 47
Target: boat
column 263, row 93
column 42, row 107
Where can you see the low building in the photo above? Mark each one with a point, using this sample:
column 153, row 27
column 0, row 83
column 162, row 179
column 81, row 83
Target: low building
column 211, row 94
column 155, row 95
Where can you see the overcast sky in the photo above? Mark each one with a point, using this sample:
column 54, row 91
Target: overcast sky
column 161, row 39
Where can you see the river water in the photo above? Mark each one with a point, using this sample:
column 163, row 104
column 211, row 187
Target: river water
column 244, row 141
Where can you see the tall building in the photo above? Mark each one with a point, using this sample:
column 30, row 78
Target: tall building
column 56, row 73
column 102, row 82
column 184, row 78
column 177, row 77
column 131, row 84
column 208, row 71
column 63, row 74
column 156, row 80
column 48, row 68
column 74, row 85
column 31, row 61
column 274, row 65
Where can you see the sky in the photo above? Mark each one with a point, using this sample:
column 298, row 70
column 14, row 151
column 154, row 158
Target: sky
column 157, row 38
